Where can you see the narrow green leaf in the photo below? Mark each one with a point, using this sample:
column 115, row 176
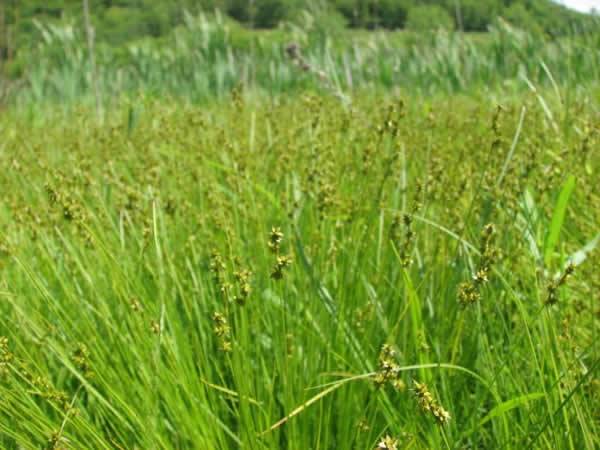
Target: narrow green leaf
column 558, row 218
column 506, row 406
column 415, row 313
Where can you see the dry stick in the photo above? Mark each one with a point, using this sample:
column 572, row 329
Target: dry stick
column 90, row 42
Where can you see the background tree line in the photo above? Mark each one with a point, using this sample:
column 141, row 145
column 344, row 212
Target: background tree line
column 119, row 21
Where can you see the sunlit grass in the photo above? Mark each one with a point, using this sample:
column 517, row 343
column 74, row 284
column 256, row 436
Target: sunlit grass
column 209, row 56
column 288, row 274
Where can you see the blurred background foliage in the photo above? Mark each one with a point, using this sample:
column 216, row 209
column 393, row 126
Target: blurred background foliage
column 199, row 48
column 119, row 21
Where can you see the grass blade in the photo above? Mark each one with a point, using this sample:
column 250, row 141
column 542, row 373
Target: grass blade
column 558, row 217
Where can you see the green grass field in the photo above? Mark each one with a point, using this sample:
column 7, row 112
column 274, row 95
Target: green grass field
column 300, row 273
column 365, row 241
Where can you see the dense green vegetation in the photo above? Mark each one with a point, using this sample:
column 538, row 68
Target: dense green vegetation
column 178, row 49
column 183, row 277
column 322, row 235
column 211, row 55
column 119, row 21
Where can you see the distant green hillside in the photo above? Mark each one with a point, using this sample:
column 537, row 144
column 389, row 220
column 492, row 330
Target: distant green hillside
column 177, row 48
column 117, row 21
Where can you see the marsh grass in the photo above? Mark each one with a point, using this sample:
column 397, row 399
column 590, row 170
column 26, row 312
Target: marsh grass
column 140, row 309
column 210, row 55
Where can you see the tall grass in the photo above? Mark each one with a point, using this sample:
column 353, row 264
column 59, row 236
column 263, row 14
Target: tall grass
column 147, row 300
column 209, row 56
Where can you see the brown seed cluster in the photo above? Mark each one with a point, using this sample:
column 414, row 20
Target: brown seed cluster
column 282, row 262
column 387, row 443
column 222, row 330
column 554, row 285
column 428, row 404
column 389, row 370
column 469, row 292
